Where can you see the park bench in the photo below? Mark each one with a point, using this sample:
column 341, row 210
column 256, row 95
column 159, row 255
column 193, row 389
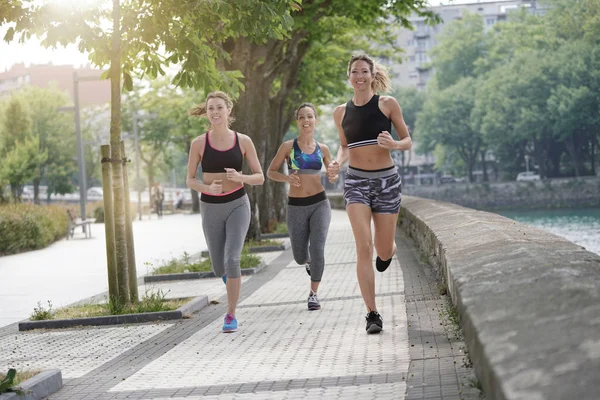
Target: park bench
column 86, row 225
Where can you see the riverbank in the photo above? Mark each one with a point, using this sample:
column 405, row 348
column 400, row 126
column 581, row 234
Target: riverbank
column 496, row 196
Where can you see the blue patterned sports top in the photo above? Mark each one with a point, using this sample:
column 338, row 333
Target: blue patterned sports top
column 303, row 163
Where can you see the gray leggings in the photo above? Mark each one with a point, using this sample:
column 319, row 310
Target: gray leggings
column 225, row 226
column 309, row 224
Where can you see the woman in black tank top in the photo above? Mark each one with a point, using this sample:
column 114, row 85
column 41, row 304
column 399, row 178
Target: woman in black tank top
column 224, row 204
column 372, row 187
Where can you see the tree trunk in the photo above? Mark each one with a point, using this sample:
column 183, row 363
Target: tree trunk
column 265, row 115
column 484, row 166
column 115, row 148
column 36, row 190
column 195, row 197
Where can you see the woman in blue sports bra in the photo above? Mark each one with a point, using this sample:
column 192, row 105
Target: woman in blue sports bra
column 309, row 212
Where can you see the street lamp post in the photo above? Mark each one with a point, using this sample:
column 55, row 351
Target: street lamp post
column 527, row 157
column 80, row 149
column 137, row 164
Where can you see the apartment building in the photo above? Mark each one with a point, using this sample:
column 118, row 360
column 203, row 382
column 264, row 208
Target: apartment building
column 416, row 69
column 91, row 92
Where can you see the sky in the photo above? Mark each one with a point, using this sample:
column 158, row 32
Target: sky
column 32, row 52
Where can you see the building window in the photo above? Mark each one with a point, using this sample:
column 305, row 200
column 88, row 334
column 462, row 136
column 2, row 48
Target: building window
column 490, row 21
column 411, row 58
column 411, row 42
column 413, row 75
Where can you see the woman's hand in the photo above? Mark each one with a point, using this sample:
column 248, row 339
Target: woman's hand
column 216, row 187
column 234, row 175
column 333, row 170
column 293, row 179
column 385, row 140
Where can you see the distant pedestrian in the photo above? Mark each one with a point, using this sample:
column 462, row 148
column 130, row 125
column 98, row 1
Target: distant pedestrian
column 372, row 187
column 308, row 211
column 224, row 204
column 158, row 197
column 178, row 200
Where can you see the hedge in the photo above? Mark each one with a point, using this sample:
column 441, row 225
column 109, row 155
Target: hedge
column 26, row 227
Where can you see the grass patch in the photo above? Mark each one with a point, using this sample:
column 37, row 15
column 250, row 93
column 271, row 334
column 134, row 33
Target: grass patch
column 183, row 265
column 281, row 228
column 21, row 376
column 150, row 302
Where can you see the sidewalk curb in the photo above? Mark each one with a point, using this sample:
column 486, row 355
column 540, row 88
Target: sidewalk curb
column 197, row 275
column 274, row 235
column 190, row 307
column 265, row 249
column 261, row 249
column 38, row 387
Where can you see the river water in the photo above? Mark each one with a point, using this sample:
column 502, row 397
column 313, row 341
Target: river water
column 581, row 226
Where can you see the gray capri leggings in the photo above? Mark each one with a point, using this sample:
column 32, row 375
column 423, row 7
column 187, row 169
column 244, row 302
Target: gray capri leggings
column 225, row 226
column 309, row 224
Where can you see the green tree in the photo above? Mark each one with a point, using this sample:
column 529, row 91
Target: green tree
column 146, row 36
column 446, row 120
column 307, row 65
column 460, row 46
column 16, row 134
column 56, row 135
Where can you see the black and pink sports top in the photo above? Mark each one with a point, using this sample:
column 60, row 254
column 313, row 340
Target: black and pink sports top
column 214, row 160
column 362, row 124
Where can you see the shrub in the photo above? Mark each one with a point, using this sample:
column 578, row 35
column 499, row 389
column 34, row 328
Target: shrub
column 99, row 214
column 30, row 227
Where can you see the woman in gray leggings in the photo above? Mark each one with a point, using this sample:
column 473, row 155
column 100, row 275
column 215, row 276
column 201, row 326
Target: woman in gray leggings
column 308, row 212
column 224, row 204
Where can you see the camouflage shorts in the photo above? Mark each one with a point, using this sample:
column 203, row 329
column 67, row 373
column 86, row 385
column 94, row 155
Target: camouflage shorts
column 380, row 190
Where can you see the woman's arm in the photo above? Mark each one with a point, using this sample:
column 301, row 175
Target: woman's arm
column 257, row 177
column 333, row 168
column 391, row 108
column 273, row 170
column 194, row 159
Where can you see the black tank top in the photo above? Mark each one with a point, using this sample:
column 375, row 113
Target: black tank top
column 362, row 124
column 214, row 160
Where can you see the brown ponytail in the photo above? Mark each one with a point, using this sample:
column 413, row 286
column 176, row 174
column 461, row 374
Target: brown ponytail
column 200, row 109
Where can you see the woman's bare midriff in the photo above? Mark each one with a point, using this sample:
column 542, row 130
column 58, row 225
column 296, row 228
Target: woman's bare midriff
column 370, row 158
column 227, row 185
column 309, row 186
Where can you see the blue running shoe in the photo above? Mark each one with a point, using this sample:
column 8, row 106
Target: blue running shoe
column 224, row 277
column 230, row 324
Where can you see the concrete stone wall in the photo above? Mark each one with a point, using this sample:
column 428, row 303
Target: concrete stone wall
column 554, row 193
column 529, row 301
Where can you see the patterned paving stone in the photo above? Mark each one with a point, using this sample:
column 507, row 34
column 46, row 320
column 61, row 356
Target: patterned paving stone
column 283, row 343
column 75, row 351
column 379, row 391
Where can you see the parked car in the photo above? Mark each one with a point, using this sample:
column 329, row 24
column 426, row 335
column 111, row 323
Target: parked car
column 528, row 176
column 448, row 179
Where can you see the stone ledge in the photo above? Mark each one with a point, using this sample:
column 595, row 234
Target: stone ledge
column 185, row 310
column 38, row 387
column 260, row 249
column 274, row 235
column 527, row 299
column 197, row 275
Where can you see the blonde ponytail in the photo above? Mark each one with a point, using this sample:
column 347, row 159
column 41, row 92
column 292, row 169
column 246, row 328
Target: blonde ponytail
column 381, row 80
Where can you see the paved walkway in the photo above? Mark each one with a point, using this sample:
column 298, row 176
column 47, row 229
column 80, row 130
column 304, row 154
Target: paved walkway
column 281, row 351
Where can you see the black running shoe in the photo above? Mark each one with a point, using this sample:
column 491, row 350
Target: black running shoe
column 374, row 322
column 382, row 265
